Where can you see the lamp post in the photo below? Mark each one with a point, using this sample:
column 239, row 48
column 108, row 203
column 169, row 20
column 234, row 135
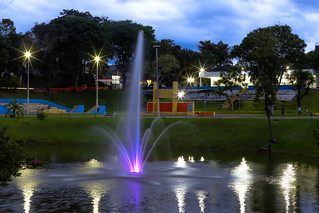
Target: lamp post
column 157, row 77
column 201, row 71
column 27, row 54
column 241, row 73
column 97, row 59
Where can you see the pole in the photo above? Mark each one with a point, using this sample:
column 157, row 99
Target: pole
column 28, row 87
column 157, row 79
column 97, row 88
column 239, row 100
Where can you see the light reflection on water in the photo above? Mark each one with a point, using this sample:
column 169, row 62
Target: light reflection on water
column 193, row 189
column 288, row 184
column 242, row 182
column 201, row 196
column 180, row 191
column 27, row 183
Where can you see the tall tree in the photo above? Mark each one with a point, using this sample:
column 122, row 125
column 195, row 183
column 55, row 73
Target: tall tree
column 9, row 42
column 67, row 43
column 266, row 52
column 302, row 80
column 216, row 54
column 123, row 36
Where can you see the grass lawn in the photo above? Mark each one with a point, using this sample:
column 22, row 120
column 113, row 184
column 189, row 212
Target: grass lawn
column 293, row 135
column 115, row 100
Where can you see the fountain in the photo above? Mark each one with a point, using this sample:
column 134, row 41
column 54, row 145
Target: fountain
column 132, row 144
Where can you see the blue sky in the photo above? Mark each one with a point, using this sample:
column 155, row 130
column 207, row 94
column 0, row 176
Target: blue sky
column 185, row 21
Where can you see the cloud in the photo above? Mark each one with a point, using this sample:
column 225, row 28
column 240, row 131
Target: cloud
column 185, row 21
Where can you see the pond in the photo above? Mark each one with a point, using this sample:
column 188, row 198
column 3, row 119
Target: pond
column 82, row 178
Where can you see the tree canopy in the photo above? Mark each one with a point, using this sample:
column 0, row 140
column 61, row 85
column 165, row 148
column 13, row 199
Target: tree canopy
column 266, row 52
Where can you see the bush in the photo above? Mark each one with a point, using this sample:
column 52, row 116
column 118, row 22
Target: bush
column 41, row 114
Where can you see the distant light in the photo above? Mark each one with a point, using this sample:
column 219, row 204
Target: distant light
column 191, row 159
column 97, row 58
column 201, row 69
column 190, row 80
column 181, row 162
column 27, row 54
column 202, row 159
column 180, row 94
column 287, row 67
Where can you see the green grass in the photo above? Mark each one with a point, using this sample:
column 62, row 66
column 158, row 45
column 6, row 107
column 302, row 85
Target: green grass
column 293, row 135
column 115, row 100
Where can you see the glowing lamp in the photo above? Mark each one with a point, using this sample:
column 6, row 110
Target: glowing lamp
column 27, row 54
column 97, row 58
column 180, row 94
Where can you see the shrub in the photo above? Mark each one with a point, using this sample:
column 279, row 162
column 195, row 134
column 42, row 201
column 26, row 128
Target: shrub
column 41, row 114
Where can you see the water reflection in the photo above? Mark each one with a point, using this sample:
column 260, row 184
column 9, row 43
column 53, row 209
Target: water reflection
column 201, row 196
column 96, row 192
column 180, row 192
column 243, row 180
column 288, row 184
column 27, row 183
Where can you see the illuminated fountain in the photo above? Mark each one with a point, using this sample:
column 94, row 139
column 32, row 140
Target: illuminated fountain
column 132, row 144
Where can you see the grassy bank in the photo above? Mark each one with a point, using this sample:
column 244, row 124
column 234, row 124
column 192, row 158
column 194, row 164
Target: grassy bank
column 115, row 100
column 293, row 135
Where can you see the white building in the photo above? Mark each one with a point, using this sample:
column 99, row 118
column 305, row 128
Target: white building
column 216, row 75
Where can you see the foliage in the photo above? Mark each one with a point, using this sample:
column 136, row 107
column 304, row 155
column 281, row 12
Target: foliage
column 41, row 114
column 315, row 132
column 11, row 157
column 267, row 52
column 123, row 36
column 302, row 80
column 15, row 109
column 216, row 54
column 11, row 82
column 168, row 67
column 219, row 91
column 67, row 45
column 233, row 78
column 9, row 42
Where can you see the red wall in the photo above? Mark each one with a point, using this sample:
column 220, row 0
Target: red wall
column 168, row 106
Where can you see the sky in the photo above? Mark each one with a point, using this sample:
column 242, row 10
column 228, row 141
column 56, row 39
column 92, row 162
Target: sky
column 185, row 21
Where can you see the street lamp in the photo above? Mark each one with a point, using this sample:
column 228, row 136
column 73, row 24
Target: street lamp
column 27, row 54
column 180, row 94
column 157, row 77
column 97, row 59
column 201, row 71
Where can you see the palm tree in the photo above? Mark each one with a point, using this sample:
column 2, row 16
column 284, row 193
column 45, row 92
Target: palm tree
column 220, row 91
column 16, row 108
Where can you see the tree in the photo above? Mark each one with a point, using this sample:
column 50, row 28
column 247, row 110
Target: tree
column 232, row 78
column 266, row 52
column 67, row 43
column 219, row 91
column 11, row 158
column 216, row 54
column 16, row 108
column 9, row 42
column 168, row 67
column 123, row 36
column 302, row 80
